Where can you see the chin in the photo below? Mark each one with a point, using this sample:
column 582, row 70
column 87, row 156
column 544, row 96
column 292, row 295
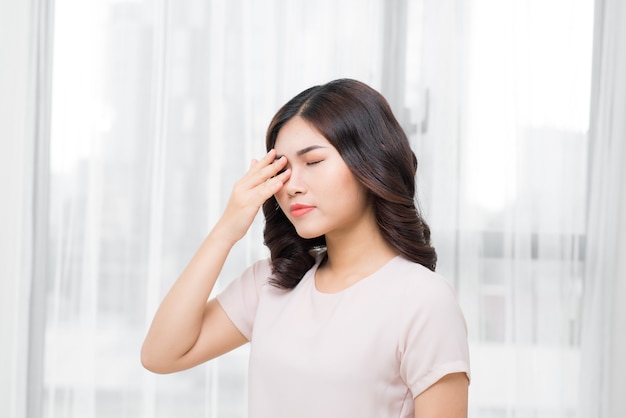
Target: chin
column 308, row 234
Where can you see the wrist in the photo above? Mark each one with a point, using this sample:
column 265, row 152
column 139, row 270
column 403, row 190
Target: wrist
column 224, row 235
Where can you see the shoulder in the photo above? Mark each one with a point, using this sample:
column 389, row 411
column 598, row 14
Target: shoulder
column 240, row 297
column 261, row 269
column 432, row 318
column 258, row 274
column 423, row 291
column 415, row 277
column 250, row 281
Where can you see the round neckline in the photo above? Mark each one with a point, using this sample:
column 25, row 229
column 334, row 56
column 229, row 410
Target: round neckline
column 313, row 272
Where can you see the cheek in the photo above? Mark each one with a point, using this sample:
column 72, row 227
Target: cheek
column 282, row 199
column 347, row 183
column 279, row 197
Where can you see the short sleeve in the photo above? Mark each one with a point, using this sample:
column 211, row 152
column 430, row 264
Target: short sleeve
column 241, row 297
column 433, row 341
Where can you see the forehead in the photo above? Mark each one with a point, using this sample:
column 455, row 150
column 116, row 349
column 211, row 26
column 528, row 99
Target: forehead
column 298, row 134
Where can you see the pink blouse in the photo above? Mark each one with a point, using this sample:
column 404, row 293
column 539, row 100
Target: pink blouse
column 366, row 351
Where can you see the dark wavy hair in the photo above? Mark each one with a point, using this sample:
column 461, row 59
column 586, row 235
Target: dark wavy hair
column 359, row 123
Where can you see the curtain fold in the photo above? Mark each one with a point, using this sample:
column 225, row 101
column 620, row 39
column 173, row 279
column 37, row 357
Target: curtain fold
column 603, row 340
column 159, row 105
column 16, row 205
column 503, row 159
column 25, row 29
column 42, row 55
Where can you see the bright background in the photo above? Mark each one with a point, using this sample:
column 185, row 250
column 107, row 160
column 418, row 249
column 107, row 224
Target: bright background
column 126, row 122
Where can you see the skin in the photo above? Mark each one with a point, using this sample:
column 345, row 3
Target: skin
column 305, row 169
column 343, row 213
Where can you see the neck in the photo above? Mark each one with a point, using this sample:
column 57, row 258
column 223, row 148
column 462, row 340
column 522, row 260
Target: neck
column 345, row 254
column 353, row 255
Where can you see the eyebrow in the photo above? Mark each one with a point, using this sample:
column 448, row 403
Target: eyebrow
column 303, row 151
column 308, row 149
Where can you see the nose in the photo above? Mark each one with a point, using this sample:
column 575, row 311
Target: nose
column 295, row 184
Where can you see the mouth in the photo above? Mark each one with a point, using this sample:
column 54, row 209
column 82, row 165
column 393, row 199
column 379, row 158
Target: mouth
column 298, row 209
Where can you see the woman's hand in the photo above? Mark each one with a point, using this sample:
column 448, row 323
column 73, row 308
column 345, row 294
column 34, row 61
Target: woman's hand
column 263, row 180
column 186, row 330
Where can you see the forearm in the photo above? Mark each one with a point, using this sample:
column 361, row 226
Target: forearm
column 447, row 398
column 187, row 330
column 178, row 320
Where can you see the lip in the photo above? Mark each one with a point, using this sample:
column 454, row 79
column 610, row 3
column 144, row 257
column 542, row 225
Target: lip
column 298, row 209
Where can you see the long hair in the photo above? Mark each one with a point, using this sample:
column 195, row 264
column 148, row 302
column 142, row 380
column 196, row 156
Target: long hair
column 359, row 123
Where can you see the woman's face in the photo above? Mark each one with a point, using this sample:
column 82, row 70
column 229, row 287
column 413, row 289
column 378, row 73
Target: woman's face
column 322, row 196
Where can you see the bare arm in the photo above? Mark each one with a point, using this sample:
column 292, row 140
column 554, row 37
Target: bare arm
column 445, row 399
column 186, row 329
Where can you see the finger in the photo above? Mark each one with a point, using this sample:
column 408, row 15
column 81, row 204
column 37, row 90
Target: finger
column 271, row 186
column 284, row 175
column 265, row 160
column 261, row 170
column 280, row 180
column 274, row 168
column 268, row 158
column 265, row 170
column 274, row 184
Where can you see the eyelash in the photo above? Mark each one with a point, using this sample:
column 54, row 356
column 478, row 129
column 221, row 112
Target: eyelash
column 308, row 164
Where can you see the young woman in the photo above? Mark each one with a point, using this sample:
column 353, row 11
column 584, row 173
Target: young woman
column 347, row 317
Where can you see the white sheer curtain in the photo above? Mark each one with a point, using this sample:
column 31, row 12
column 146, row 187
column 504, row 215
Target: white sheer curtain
column 604, row 314
column 158, row 106
column 504, row 186
column 16, row 206
column 24, row 134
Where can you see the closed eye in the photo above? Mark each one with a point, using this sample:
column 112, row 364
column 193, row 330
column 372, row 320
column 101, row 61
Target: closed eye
column 314, row 162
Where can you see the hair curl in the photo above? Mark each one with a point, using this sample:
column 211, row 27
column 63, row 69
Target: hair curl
column 359, row 123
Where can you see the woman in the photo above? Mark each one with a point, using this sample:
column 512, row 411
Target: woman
column 347, row 318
